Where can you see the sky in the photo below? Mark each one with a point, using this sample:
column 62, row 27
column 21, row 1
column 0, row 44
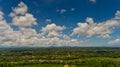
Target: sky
column 60, row 23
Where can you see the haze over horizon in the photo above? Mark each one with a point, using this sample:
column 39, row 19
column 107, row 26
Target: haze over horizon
column 60, row 23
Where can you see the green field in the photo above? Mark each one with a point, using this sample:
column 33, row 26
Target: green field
column 60, row 57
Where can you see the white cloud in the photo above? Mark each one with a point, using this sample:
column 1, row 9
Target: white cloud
column 21, row 17
column 51, row 34
column 6, row 32
column 29, row 37
column 89, row 28
column 117, row 15
column 52, row 30
column 21, row 8
column 93, row 1
column 104, row 36
column 28, row 32
column 116, row 41
column 26, row 20
column 90, row 20
column 52, row 27
column 55, row 41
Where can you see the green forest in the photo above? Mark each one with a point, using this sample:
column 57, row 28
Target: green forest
column 60, row 57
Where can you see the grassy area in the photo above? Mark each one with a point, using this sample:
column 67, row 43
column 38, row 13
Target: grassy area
column 43, row 65
column 86, row 62
column 97, row 62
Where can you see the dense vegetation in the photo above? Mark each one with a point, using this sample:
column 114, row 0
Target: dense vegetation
column 60, row 57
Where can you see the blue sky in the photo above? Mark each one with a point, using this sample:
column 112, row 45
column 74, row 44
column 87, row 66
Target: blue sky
column 82, row 22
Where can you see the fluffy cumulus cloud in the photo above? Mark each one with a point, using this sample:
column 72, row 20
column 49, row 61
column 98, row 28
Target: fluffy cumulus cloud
column 21, row 8
column 90, row 28
column 6, row 31
column 89, row 20
column 29, row 36
column 50, row 35
column 116, row 41
column 26, row 20
column 117, row 15
column 55, row 41
column 52, row 30
column 21, row 17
